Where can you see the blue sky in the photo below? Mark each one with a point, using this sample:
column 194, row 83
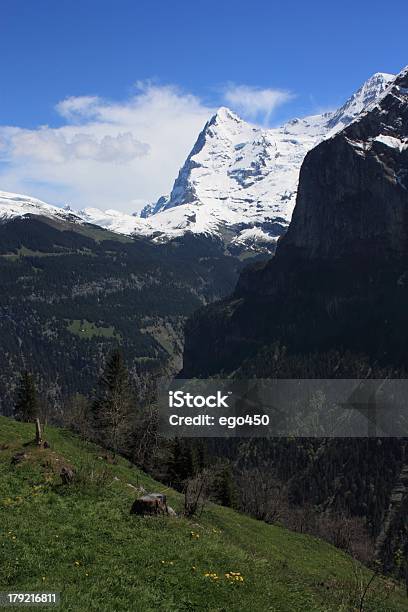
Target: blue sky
column 181, row 59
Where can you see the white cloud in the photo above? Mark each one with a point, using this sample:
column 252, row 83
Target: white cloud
column 254, row 102
column 58, row 146
column 106, row 154
column 75, row 106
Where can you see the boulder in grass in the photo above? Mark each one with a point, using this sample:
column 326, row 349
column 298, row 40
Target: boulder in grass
column 151, row 504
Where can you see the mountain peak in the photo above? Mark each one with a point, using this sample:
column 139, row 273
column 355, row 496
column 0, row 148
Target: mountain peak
column 224, row 115
column 381, row 76
column 373, row 88
column 367, row 94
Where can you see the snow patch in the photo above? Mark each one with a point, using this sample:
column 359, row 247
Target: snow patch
column 392, row 142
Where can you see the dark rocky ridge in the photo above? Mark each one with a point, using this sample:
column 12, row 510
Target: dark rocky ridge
column 353, row 188
column 339, row 279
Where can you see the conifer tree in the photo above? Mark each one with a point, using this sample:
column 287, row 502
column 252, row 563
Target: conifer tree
column 113, row 403
column 26, row 408
column 182, row 464
column 225, row 490
column 201, row 455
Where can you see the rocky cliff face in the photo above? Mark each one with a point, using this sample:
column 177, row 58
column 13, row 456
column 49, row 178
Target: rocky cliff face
column 353, row 192
column 340, row 276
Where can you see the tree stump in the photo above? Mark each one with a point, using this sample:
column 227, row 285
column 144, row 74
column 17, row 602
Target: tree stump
column 151, row 504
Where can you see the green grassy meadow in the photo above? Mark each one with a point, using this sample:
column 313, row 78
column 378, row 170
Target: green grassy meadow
column 86, row 329
column 81, row 540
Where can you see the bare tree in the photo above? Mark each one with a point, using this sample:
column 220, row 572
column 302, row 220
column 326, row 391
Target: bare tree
column 146, row 436
column 196, row 492
column 348, row 533
column 261, row 495
column 77, row 415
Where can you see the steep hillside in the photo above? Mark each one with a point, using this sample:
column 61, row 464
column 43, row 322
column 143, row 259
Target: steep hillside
column 71, row 291
column 81, row 540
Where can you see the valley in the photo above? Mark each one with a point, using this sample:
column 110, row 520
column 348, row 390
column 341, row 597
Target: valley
column 72, row 292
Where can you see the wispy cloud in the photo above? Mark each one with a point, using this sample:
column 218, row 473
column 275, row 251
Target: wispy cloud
column 254, row 102
column 76, row 107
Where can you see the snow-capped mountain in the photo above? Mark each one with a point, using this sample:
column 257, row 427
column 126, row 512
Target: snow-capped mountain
column 244, row 178
column 239, row 182
column 14, row 205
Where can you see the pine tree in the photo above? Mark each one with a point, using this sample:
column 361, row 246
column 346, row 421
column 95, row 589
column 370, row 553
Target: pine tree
column 112, row 406
column 182, row 464
column 26, row 408
column 225, row 491
column 201, row 455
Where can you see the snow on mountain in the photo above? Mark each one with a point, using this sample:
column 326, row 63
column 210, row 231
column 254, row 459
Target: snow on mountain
column 14, row 205
column 368, row 94
column 244, row 178
column 239, row 182
column 115, row 221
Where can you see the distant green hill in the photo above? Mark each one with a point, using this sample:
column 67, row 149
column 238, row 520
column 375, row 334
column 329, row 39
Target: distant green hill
column 81, row 540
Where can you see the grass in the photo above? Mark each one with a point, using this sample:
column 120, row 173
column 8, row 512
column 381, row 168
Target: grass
column 87, row 329
column 81, row 540
column 26, row 252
